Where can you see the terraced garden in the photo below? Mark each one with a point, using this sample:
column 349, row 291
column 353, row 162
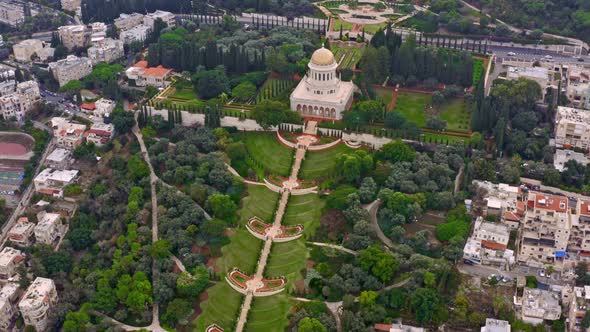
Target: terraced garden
column 223, row 303
column 478, row 69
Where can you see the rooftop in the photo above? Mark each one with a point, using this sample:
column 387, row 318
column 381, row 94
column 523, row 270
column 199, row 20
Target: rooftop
column 572, row 115
column 58, row 155
column 21, row 227
column 562, row 156
column 37, row 292
column 537, row 301
column 496, row 325
column 7, row 292
column 8, row 255
column 530, row 72
column 548, row 202
column 56, row 175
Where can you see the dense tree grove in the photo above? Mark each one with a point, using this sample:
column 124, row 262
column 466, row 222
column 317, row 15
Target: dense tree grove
column 408, row 62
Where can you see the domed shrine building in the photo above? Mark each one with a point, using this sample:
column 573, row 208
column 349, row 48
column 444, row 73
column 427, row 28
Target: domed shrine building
column 321, row 94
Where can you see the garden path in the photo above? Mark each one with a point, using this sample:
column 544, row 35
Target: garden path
column 373, row 207
column 256, row 282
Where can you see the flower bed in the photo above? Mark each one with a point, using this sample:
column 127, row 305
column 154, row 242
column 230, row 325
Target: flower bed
column 289, row 231
column 272, row 284
column 257, row 225
column 214, row 328
column 239, row 278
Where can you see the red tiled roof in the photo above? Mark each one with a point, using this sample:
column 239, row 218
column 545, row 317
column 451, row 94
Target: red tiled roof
column 550, row 202
column 510, row 216
column 141, row 64
column 156, row 71
column 585, row 208
column 382, row 327
column 585, row 254
column 88, row 106
column 48, row 191
column 492, row 245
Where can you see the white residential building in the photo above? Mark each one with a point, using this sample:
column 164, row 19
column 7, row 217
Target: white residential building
column 71, row 5
column 491, row 232
column 579, row 304
column 496, row 325
column 73, row 36
column 24, row 50
column 21, row 233
column 68, row 134
column 49, row 229
column 70, row 68
column 137, row 33
column 7, row 81
column 103, row 106
column 8, row 309
column 539, row 305
column 59, row 159
column 35, row 304
column 52, row 182
column 100, row 133
column 572, row 128
column 107, row 50
column 489, row 244
column 128, row 21
column 167, row 17
column 10, row 259
column 578, row 94
column 503, row 200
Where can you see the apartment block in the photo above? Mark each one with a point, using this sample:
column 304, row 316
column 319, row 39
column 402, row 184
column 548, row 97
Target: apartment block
column 50, row 228
column 488, row 244
column 167, row 17
column 100, row 133
column 142, row 75
column 580, row 233
column 71, row 5
column 107, row 50
column 496, row 325
column 14, row 106
column 502, row 200
column 21, row 233
column 10, row 260
column 135, row 34
column 52, row 182
column 98, row 32
column 73, row 36
column 545, row 230
column 7, row 81
column 59, row 158
column 12, row 13
column 128, row 21
column 68, row 134
column 24, row 50
column 103, row 106
column 539, row 305
column 572, row 128
column 560, row 157
column 70, row 68
column 8, row 308
column 40, row 297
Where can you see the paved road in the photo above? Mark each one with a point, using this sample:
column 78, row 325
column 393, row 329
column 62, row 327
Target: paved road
column 334, row 246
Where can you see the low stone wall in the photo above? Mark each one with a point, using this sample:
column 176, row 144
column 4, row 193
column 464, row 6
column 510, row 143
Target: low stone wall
column 235, row 287
column 287, row 239
column 286, row 142
column 324, row 146
column 254, row 233
column 263, row 294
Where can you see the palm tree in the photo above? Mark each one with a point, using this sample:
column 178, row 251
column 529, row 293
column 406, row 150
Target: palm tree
column 223, row 97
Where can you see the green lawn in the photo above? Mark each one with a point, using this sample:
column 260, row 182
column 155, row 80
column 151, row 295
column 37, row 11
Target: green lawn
column 369, row 28
column 269, row 314
column 184, row 94
column 320, row 164
column 351, row 56
column 222, row 307
column 455, row 114
column 478, row 69
column 411, row 105
column 268, row 153
column 242, row 252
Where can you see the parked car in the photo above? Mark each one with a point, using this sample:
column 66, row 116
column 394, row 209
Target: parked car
column 511, row 54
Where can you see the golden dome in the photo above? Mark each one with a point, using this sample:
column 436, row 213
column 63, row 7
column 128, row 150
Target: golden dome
column 322, row 57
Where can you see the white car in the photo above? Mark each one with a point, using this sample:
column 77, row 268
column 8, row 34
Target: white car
column 548, row 57
column 511, row 54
